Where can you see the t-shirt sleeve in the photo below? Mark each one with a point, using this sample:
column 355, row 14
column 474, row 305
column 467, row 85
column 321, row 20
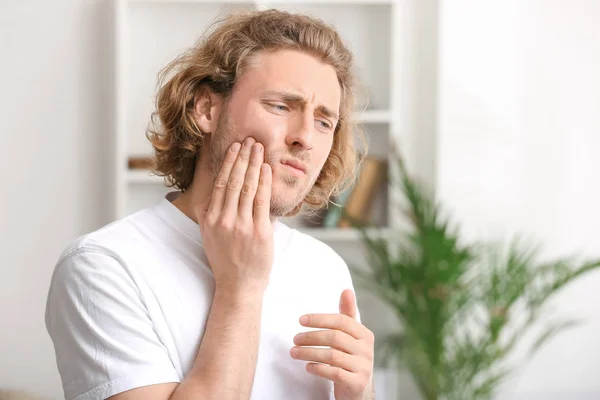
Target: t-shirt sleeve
column 104, row 339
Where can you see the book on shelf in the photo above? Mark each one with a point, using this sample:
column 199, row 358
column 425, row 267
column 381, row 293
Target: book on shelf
column 334, row 213
column 360, row 199
column 140, row 162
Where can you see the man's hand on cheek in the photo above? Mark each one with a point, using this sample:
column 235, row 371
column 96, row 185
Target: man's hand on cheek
column 235, row 224
column 348, row 360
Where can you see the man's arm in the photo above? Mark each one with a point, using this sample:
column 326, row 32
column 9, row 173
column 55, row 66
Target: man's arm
column 224, row 367
column 104, row 338
column 226, row 361
column 238, row 240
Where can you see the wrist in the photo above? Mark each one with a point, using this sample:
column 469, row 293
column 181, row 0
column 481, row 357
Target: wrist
column 238, row 296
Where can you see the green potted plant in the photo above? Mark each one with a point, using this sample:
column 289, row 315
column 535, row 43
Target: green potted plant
column 463, row 307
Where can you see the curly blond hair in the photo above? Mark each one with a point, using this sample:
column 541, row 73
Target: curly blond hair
column 217, row 60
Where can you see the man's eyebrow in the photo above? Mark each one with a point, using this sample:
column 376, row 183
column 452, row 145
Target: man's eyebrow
column 291, row 97
column 328, row 113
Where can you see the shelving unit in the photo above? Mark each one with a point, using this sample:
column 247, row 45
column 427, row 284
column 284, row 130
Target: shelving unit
column 146, row 41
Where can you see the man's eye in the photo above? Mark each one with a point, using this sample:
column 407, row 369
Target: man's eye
column 280, row 107
column 325, row 124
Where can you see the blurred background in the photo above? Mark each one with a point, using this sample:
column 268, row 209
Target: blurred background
column 495, row 106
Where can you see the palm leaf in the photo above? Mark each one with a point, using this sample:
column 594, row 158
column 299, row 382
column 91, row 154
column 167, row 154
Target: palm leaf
column 463, row 307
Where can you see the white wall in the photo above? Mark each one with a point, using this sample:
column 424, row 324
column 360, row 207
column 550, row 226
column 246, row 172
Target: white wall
column 54, row 108
column 518, row 143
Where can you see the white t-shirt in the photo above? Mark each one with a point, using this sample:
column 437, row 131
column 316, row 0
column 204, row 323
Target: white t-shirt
column 128, row 304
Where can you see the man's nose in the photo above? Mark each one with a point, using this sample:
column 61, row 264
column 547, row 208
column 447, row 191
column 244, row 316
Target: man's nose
column 301, row 132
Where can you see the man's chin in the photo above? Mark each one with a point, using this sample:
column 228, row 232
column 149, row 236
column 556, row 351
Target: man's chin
column 282, row 203
column 279, row 209
column 285, row 198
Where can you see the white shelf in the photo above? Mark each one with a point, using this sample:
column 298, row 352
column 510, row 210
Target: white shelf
column 341, row 234
column 143, row 176
column 374, row 117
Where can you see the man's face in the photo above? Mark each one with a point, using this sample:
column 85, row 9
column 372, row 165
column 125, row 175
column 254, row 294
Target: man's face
column 288, row 101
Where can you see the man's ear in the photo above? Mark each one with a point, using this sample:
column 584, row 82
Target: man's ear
column 207, row 108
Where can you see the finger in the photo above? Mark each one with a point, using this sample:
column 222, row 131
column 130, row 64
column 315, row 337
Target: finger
column 336, row 321
column 334, row 374
column 236, row 180
column 251, row 182
column 332, row 357
column 332, row 338
column 348, row 303
column 262, row 200
column 218, row 194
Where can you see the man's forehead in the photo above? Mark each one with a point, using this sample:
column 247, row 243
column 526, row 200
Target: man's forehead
column 294, row 73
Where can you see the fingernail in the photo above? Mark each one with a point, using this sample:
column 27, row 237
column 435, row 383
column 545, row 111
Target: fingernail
column 304, row 320
column 235, row 147
column 257, row 147
column 248, row 142
column 294, row 351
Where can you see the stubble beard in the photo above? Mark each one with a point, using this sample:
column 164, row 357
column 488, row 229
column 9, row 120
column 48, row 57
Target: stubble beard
column 218, row 148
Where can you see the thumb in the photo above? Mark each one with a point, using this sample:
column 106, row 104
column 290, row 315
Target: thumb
column 348, row 303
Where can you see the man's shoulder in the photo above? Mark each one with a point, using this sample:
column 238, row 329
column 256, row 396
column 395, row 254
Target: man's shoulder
column 115, row 238
column 108, row 255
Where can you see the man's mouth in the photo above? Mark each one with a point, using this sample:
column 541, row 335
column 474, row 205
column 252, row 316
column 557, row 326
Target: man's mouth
column 294, row 166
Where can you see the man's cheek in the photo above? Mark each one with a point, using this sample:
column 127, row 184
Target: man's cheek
column 260, row 132
column 271, row 128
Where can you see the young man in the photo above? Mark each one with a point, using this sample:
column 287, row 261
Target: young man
column 207, row 295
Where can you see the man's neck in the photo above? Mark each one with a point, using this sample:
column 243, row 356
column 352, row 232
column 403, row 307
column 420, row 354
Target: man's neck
column 196, row 193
